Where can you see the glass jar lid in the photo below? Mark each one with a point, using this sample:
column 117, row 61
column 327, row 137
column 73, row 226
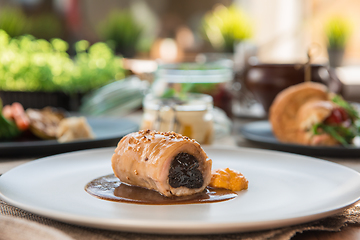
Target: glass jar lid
column 211, row 72
column 189, row 102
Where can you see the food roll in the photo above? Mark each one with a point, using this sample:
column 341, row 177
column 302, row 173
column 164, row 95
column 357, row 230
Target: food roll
column 172, row 164
column 284, row 109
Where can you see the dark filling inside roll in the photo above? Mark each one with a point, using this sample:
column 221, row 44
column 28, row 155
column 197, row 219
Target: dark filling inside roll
column 184, row 172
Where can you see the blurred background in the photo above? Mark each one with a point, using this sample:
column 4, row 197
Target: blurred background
column 102, row 57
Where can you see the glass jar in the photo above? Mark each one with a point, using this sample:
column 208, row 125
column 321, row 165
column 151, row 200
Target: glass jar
column 212, row 78
column 190, row 115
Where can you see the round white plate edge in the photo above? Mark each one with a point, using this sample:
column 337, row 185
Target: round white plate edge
column 173, row 228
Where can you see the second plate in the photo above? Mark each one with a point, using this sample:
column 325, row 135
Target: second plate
column 260, row 132
column 108, row 132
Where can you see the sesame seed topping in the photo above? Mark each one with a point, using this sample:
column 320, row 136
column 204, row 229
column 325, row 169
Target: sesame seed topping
column 147, row 136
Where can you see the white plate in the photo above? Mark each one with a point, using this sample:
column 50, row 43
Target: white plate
column 284, row 189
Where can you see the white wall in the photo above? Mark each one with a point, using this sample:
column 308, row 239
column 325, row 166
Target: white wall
column 279, row 29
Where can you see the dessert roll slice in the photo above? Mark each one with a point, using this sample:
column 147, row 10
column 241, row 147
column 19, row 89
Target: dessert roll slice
column 169, row 163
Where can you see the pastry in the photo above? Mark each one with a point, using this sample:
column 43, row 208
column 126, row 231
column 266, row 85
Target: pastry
column 72, row 129
column 44, row 122
column 284, row 109
column 307, row 114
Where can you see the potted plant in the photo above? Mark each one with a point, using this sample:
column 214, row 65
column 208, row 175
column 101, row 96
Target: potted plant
column 337, row 31
column 226, row 26
column 121, row 29
column 39, row 73
column 13, row 21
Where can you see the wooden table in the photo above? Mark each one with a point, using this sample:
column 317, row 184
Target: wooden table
column 351, row 232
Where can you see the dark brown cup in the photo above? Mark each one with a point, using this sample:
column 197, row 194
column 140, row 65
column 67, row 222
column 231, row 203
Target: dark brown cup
column 265, row 81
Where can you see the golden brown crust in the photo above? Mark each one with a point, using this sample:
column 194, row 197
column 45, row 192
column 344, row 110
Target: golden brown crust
column 284, row 110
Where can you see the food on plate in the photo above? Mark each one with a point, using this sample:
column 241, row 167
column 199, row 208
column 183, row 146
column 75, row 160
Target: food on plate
column 16, row 113
column 44, row 122
column 163, row 168
column 166, row 162
column 284, row 109
column 308, row 114
column 229, row 179
column 73, row 128
column 330, row 123
column 8, row 128
column 51, row 123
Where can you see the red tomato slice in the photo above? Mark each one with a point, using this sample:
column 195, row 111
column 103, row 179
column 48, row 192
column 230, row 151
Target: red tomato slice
column 337, row 116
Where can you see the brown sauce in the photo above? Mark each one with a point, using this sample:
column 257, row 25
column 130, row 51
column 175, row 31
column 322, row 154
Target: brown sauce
column 110, row 188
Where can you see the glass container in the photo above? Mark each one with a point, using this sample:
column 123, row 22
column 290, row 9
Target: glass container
column 212, row 78
column 190, row 115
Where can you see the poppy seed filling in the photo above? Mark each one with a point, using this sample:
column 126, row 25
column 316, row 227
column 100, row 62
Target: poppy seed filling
column 184, row 172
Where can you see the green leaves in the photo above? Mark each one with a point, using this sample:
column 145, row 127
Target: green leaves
column 95, row 66
column 122, row 30
column 337, row 31
column 342, row 134
column 345, row 105
column 29, row 64
column 181, row 95
column 225, row 25
column 13, row 21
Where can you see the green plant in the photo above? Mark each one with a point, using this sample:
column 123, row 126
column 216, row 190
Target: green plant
column 46, row 26
column 121, row 29
column 30, row 64
column 337, row 31
column 95, row 66
column 226, row 25
column 13, row 21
